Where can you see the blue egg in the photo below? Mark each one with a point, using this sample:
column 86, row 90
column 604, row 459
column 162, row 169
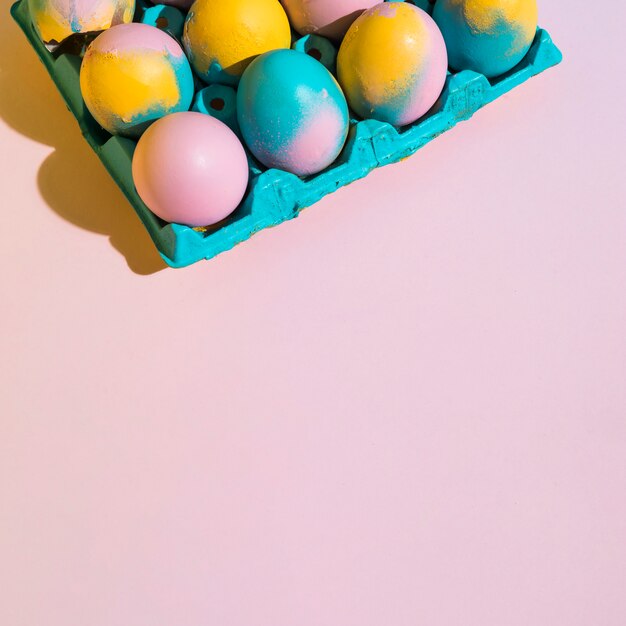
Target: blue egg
column 292, row 113
column 488, row 36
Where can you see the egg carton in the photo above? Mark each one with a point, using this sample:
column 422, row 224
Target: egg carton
column 274, row 196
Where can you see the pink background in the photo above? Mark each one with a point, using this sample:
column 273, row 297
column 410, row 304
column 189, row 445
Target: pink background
column 405, row 407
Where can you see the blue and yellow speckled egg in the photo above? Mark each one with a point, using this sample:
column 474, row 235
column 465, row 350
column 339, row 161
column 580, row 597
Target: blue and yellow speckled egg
column 56, row 20
column 487, row 36
column 222, row 38
column 132, row 75
column 392, row 64
column 292, row 113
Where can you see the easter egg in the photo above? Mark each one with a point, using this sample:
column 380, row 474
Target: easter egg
column 133, row 74
column 56, row 20
column 392, row 64
column 222, row 38
column 330, row 18
column 191, row 169
column 292, row 113
column 487, row 36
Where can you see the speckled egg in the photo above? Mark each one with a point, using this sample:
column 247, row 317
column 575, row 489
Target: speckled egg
column 487, row 36
column 56, row 20
column 132, row 75
column 292, row 113
column 191, row 169
column 222, row 38
column 392, row 64
column 330, row 18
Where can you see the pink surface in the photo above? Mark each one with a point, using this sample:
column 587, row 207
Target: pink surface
column 190, row 168
column 405, row 407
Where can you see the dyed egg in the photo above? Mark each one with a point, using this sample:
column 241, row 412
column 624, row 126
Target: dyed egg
column 487, row 36
column 330, row 18
column 190, row 168
column 56, row 20
column 132, row 75
column 222, row 38
column 292, row 113
column 392, row 64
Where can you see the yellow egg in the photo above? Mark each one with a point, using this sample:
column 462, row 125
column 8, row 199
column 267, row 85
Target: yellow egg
column 222, row 38
column 392, row 63
column 132, row 75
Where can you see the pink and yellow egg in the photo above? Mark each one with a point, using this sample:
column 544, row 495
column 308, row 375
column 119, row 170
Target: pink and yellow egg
column 132, row 75
column 392, row 64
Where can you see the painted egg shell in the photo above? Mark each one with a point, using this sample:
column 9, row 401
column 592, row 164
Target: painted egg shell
column 56, row 20
column 292, row 113
column 330, row 18
column 392, row 64
column 190, row 168
column 487, row 36
column 132, row 75
column 222, row 38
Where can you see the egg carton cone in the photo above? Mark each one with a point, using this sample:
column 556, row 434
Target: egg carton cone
column 274, row 196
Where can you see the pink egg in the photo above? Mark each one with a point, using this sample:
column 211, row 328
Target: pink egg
column 190, row 168
column 330, row 18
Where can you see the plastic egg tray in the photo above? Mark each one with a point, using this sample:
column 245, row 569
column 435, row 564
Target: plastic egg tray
column 274, row 196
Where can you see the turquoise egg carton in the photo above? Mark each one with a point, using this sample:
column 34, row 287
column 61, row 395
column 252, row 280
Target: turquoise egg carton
column 274, row 196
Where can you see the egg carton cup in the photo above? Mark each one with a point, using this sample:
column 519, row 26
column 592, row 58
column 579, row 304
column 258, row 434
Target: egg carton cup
column 274, row 196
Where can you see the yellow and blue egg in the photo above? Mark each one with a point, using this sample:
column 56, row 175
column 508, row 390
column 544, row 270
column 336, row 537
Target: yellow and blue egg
column 132, row 75
column 292, row 113
column 56, row 20
column 487, row 36
column 392, row 63
column 222, row 38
